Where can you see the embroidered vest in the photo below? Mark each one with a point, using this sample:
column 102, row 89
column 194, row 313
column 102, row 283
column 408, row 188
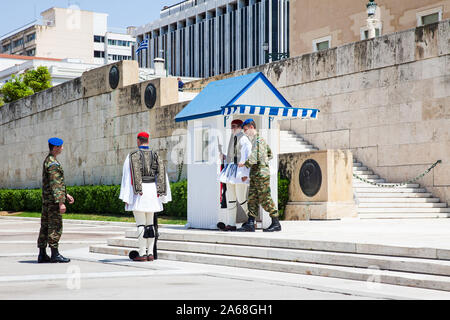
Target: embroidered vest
column 234, row 148
column 146, row 167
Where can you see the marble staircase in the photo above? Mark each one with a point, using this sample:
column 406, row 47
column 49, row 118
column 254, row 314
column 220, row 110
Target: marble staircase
column 427, row 268
column 406, row 201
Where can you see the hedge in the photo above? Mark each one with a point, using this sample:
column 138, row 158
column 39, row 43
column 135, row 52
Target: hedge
column 90, row 199
column 105, row 199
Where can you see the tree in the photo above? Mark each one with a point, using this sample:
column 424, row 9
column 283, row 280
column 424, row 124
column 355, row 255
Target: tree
column 38, row 79
column 20, row 86
column 15, row 89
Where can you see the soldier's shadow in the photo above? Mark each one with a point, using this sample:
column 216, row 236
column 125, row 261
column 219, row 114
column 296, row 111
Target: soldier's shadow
column 28, row 261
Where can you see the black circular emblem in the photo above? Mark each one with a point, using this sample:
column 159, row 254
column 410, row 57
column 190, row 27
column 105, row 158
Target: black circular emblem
column 310, row 177
column 150, row 95
column 114, row 76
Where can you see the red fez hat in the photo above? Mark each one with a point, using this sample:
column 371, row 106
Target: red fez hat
column 237, row 121
column 143, row 134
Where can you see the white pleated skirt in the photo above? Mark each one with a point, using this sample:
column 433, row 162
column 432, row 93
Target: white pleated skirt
column 149, row 201
column 231, row 173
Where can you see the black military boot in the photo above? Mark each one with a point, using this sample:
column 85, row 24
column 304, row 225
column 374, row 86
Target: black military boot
column 57, row 257
column 43, row 256
column 274, row 226
column 248, row 226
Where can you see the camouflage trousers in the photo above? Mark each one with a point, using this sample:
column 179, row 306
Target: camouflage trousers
column 51, row 226
column 259, row 194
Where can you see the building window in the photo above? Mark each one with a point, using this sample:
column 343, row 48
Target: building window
column 18, row 42
column 31, row 37
column 429, row 16
column 31, row 52
column 99, row 54
column 122, row 43
column 322, row 43
column 6, row 48
column 99, row 39
column 118, row 57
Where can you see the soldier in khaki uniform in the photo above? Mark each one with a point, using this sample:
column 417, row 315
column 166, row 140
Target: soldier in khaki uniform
column 259, row 190
column 54, row 197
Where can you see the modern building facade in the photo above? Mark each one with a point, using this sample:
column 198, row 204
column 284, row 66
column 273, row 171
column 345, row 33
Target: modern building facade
column 317, row 25
column 63, row 33
column 202, row 38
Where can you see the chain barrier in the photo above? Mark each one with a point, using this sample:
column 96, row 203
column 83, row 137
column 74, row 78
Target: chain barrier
column 392, row 185
column 191, row 89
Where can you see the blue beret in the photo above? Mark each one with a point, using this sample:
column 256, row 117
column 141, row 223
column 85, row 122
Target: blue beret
column 55, row 141
column 246, row 122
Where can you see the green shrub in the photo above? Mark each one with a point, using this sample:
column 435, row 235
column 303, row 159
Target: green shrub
column 105, row 199
column 95, row 199
column 178, row 206
column 20, row 200
column 283, row 195
column 32, row 200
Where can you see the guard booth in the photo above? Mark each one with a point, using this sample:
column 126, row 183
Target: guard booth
column 209, row 117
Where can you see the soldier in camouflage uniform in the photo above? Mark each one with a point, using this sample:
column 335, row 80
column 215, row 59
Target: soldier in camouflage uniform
column 53, row 198
column 259, row 190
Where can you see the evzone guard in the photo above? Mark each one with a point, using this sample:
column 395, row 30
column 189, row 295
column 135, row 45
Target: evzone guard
column 236, row 178
column 144, row 189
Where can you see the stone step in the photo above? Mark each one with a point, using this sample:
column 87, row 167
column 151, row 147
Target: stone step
column 359, row 168
column 256, row 240
column 403, row 200
column 287, row 133
column 428, row 266
column 393, row 195
column 369, row 176
column 356, row 164
column 390, row 190
column 290, row 138
column 297, row 150
column 357, row 183
column 402, row 205
column 298, row 146
column 294, row 143
column 363, row 172
column 372, row 274
column 403, row 210
column 396, row 215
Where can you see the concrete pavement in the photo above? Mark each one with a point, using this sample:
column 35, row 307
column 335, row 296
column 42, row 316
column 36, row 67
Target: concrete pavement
column 100, row 276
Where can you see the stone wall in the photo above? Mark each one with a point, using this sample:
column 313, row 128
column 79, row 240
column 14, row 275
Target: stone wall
column 98, row 125
column 385, row 99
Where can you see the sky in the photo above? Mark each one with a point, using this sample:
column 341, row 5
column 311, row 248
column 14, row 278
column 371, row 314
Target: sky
column 121, row 13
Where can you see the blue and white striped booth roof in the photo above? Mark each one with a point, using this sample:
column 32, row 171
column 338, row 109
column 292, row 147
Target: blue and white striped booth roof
column 250, row 94
column 304, row 113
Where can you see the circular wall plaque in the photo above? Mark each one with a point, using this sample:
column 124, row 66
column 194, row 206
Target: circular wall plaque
column 310, row 177
column 114, row 76
column 150, row 95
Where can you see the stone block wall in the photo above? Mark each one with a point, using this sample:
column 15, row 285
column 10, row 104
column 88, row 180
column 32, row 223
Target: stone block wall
column 98, row 125
column 385, row 99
